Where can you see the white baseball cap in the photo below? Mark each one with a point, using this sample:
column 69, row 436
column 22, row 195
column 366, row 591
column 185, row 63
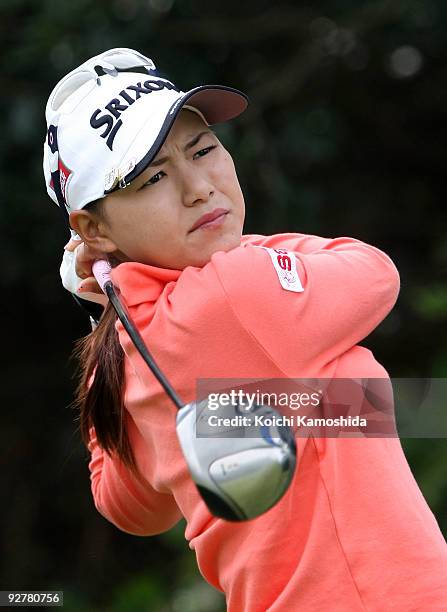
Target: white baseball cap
column 107, row 121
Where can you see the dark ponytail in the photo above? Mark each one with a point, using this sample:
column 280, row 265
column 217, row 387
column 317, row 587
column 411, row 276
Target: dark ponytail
column 100, row 391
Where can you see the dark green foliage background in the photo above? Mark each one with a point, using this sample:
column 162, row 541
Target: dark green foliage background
column 336, row 142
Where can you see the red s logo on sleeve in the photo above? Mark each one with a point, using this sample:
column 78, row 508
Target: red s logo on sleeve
column 284, row 263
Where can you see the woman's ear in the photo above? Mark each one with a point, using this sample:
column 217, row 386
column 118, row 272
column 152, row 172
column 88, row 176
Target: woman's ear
column 92, row 231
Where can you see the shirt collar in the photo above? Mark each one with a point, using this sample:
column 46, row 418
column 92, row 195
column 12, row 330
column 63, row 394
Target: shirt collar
column 140, row 283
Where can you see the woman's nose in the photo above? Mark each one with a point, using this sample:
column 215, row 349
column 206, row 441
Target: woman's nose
column 197, row 188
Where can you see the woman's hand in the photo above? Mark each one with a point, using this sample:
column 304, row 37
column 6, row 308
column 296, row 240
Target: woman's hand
column 85, row 256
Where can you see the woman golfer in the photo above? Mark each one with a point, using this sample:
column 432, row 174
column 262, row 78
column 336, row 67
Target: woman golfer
column 146, row 183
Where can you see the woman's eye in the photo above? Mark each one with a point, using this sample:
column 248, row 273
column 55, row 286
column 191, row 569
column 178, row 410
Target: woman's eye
column 154, row 179
column 203, row 152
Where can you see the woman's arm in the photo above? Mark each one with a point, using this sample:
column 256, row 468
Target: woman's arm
column 349, row 287
column 127, row 502
column 293, row 241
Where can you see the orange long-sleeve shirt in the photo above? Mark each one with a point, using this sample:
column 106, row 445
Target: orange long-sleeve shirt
column 353, row 532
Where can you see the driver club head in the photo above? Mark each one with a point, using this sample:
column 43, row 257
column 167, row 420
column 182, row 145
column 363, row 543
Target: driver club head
column 240, row 471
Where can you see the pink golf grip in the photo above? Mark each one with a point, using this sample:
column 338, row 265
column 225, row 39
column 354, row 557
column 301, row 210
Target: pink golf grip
column 101, row 271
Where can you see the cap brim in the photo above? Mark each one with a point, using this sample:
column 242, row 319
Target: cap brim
column 217, row 103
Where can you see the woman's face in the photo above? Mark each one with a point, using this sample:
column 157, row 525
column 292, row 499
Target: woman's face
column 159, row 219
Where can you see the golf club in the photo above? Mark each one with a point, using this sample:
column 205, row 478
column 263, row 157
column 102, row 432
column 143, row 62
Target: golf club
column 240, row 472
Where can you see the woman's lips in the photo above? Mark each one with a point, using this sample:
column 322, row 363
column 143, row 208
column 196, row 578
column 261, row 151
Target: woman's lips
column 210, row 220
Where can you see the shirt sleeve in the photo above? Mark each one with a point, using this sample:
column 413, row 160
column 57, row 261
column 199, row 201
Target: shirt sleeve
column 349, row 287
column 128, row 502
column 299, row 243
